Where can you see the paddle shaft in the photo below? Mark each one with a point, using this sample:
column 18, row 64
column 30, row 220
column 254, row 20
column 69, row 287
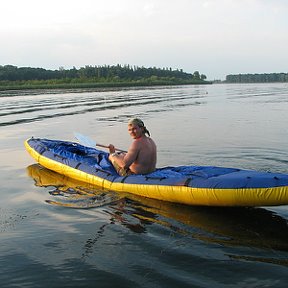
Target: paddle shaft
column 105, row 146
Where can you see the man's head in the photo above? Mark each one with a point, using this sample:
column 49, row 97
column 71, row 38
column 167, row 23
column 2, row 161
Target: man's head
column 139, row 123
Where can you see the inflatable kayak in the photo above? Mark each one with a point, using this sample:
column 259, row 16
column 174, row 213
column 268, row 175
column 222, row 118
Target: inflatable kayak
column 192, row 185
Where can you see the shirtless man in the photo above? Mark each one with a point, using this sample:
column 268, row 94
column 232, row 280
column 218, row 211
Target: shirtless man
column 142, row 154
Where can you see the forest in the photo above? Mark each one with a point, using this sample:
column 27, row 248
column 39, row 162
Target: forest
column 257, row 78
column 13, row 77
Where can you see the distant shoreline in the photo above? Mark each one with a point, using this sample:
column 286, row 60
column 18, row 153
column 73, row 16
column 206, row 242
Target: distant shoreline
column 115, row 76
column 29, row 86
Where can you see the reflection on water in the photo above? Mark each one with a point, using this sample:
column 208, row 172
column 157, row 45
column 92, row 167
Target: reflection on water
column 226, row 226
column 69, row 192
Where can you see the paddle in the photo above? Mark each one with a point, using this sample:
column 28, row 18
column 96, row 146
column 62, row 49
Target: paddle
column 87, row 141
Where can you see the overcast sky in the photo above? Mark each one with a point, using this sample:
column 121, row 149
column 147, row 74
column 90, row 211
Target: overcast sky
column 216, row 37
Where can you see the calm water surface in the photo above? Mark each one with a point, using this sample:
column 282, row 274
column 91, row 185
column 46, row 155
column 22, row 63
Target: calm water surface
column 128, row 241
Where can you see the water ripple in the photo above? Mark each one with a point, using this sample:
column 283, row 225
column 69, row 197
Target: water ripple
column 26, row 109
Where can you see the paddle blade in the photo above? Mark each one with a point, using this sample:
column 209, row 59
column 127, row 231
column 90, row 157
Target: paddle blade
column 84, row 140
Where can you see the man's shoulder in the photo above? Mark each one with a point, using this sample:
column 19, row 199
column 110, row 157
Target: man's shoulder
column 146, row 142
column 136, row 144
column 139, row 142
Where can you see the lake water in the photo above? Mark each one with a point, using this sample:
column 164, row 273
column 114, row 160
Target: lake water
column 133, row 241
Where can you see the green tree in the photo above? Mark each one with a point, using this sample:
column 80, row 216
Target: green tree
column 196, row 75
column 203, row 77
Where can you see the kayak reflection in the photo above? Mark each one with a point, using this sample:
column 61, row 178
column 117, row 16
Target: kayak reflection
column 256, row 227
column 74, row 194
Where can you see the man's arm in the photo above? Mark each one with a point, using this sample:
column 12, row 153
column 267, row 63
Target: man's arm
column 125, row 160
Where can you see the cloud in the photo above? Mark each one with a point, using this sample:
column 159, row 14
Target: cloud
column 210, row 36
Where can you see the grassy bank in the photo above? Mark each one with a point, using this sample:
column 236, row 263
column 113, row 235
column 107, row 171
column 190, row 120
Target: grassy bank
column 40, row 84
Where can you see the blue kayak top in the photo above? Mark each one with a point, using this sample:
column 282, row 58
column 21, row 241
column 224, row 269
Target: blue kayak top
column 96, row 162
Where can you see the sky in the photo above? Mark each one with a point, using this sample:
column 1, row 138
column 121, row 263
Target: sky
column 214, row 37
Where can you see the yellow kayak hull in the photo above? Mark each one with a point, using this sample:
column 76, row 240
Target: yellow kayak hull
column 270, row 196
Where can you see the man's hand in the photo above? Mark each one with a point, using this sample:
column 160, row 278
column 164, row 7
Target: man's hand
column 111, row 149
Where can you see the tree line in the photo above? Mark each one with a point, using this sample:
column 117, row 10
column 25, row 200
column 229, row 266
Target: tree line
column 96, row 73
column 257, row 78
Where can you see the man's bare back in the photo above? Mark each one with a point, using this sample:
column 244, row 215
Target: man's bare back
column 146, row 151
